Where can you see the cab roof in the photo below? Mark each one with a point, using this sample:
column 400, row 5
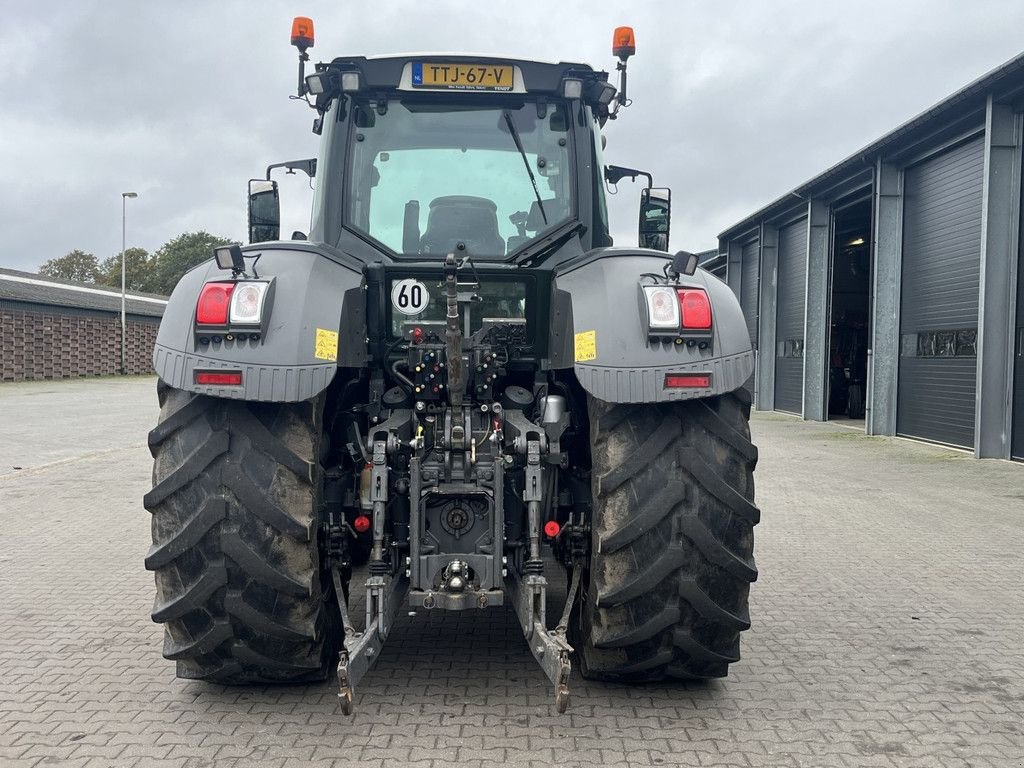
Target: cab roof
column 385, row 72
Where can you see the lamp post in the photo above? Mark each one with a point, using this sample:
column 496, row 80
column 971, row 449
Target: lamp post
column 124, row 324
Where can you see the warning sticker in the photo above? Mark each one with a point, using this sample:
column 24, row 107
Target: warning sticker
column 586, row 346
column 326, row 345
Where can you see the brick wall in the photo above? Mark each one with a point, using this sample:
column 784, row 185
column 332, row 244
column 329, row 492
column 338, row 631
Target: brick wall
column 40, row 344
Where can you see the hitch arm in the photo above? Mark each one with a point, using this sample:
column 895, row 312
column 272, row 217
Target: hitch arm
column 360, row 650
column 549, row 647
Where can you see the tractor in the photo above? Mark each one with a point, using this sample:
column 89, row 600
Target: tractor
column 450, row 387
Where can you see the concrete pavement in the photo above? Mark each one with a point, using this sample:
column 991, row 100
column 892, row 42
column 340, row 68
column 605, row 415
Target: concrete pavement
column 888, row 626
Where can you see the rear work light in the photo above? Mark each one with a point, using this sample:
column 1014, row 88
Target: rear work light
column 695, row 308
column 687, row 380
column 214, row 300
column 219, row 378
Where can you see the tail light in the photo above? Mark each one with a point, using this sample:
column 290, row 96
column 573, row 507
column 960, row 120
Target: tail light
column 673, row 311
column 237, row 303
column 214, row 300
column 695, row 309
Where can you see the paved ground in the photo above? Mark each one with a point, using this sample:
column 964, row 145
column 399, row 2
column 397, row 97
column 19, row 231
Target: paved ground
column 888, row 626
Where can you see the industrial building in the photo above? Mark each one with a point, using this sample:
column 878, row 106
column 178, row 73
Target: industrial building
column 57, row 329
column 889, row 288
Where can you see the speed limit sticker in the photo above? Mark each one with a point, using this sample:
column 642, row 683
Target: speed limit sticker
column 409, row 296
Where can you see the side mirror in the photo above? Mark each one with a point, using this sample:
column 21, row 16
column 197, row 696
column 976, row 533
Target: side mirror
column 655, row 215
column 264, row 211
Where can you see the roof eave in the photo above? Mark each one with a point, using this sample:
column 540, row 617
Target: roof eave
column 965, row 99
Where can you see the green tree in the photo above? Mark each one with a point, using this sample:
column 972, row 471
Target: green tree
column 137, row 270
column 175, row 257
column 78, row 266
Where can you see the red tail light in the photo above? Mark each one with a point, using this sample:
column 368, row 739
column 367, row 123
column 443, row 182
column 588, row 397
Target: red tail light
column 695, row 308
column 214, row 302
column 219, row 378
column 687, row 381
column 552, row 528
column 362, row 524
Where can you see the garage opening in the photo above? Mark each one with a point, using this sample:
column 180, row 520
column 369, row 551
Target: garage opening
column 850, row 312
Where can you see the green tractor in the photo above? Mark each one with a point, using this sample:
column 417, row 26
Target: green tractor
column 453, row 385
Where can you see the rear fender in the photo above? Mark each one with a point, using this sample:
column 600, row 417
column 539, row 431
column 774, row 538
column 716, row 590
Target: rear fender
column 303, row 344
column 615, row 360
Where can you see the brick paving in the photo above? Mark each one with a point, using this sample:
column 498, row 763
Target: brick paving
column 888, row 626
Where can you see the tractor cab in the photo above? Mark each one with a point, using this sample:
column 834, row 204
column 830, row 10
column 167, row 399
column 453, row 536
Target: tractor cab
column 422, row 155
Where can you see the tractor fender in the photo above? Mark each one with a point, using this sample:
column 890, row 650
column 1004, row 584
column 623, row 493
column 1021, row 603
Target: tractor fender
column 614, row 359
column 303, row 342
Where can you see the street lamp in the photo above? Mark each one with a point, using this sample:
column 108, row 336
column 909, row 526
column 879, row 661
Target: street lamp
column 124, row 325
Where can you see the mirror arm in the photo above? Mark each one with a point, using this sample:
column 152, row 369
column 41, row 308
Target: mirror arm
column 613, row 174
column 307, row 166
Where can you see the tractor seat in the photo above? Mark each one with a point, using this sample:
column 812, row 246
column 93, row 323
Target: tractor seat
column 461, row 218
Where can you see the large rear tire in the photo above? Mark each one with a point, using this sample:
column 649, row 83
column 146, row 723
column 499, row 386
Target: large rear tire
column 672, row 542
column 241, row 588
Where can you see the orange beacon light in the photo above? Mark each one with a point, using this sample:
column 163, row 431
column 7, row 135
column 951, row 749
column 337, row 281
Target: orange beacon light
column 623, row 42
column 302, row 33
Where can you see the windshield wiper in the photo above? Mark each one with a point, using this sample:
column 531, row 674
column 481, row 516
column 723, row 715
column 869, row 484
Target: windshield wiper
column 536, row 251
column 522, row 153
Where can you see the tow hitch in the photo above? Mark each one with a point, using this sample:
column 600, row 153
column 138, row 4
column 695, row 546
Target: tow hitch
column 360, row 650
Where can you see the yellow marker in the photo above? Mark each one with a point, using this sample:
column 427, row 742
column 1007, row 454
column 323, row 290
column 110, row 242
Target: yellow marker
column 585, row 346
column 326, row 346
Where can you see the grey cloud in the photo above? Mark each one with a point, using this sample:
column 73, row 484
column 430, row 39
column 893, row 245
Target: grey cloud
column 734, row 103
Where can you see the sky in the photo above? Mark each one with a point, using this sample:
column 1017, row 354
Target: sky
column 734, row 103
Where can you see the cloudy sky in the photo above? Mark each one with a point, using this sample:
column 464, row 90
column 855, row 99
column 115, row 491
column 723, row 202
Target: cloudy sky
column 734, row 103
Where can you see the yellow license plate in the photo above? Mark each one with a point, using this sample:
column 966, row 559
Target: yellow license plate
column 462, row 76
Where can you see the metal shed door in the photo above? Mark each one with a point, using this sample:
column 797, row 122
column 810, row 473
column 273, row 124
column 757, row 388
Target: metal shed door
column 1017, row 441
column 750, row 285
column 939, row 296
column 789, row 318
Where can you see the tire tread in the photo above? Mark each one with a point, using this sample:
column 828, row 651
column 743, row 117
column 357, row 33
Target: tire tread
column 237, row 565
column 672, row 560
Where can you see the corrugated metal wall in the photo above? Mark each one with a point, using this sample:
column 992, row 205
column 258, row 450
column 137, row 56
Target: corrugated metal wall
column 939, row 296
column 789, row 322
column 1017, row 442
column 750, row 282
